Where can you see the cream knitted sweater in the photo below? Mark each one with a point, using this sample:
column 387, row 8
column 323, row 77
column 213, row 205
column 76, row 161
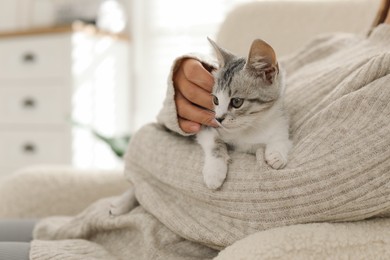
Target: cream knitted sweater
column 338, row 97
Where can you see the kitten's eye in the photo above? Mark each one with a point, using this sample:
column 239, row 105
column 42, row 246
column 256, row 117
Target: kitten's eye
column 236, row 102
column 215, row 101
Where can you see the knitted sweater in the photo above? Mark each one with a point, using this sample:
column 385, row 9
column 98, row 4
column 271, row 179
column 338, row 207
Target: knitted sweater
column 338, row 99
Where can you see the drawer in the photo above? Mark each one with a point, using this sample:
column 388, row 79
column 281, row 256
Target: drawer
column 20, row 149
column 34, row 104
column 35, row 57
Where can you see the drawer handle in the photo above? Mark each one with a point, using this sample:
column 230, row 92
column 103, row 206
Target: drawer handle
column 29, row 103
column 29, row 148
column 29, row 57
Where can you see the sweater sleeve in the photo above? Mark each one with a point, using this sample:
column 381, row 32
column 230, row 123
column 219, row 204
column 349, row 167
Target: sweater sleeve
column 168, row 114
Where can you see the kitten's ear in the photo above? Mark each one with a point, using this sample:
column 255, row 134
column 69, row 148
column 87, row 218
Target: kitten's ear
column 262, row 61
column 223, row 55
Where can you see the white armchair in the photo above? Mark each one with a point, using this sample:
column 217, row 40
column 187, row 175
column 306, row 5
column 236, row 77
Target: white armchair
column 42, row 191
column 288, row 25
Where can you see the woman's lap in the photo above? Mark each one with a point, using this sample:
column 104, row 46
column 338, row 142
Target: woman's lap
column 15, row 237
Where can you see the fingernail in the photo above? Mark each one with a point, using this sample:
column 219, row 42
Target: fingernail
column 215, row 123
column 194, row 128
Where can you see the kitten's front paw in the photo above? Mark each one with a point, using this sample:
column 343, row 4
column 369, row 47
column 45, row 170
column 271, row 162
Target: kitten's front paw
column 275, row 159
column 214, row 173
column 123, row 204
column 117, row 209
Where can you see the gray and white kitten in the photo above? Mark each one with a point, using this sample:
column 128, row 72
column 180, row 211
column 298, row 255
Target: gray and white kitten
column 248, row 102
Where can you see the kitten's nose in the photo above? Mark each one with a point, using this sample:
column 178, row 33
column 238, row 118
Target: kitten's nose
column 220, row 119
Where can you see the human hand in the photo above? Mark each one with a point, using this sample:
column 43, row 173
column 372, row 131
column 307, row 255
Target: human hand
column 193, row 84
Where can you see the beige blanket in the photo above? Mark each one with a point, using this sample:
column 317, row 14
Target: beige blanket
column 338, row 97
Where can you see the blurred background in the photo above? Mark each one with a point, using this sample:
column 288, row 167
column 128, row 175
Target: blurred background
column 78, row 77
column 113, row 81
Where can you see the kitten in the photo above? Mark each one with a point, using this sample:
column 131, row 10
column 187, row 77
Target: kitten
column 248, row 101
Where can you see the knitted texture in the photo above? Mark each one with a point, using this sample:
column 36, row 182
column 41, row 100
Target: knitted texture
column 349, row 240
column 338, row 100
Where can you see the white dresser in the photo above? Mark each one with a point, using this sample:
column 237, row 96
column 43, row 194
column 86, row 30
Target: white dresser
column 52, row 77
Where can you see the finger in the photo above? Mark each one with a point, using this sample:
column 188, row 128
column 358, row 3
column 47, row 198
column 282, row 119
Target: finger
column 188, row 126
column 191, row 112
column 194, row 93
column 198, row 75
